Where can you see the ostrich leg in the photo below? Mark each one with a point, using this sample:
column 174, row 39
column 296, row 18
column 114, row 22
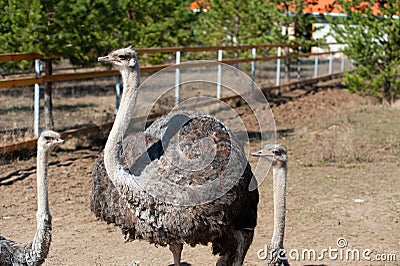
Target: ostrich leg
column 176, row 250
column 244, row 238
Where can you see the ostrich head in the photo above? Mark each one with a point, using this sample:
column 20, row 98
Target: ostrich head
column 122, row 58
column 274, row 152
column 49, row 139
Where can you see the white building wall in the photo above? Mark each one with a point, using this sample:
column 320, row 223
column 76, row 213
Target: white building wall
column 321, row 30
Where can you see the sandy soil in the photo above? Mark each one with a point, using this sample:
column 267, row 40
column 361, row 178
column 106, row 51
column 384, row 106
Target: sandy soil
column 343, row 182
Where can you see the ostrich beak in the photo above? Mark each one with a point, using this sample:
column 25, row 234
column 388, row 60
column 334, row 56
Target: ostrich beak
column 58, row 141
column 262, row 153
column 104, row 59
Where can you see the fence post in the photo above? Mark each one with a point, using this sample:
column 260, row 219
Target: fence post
column 278, row 67
column 36, row 108
column 342, row 63
column 117, row 93
column 177, row 78
column 316, row 64
column 330, row 60
column 219, row 75
column 253, row 68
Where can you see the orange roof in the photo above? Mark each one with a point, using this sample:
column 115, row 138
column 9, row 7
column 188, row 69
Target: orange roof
column 322, row 6
column 200, row 5
column 330, row 6
column 314, row 6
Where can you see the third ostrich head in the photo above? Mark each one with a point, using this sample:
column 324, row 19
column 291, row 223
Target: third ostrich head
column 278, row 155
column 274, row 152
column 48, row 139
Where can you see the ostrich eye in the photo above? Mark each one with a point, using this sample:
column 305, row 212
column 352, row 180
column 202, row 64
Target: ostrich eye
column 122, row 56
column 277, row 152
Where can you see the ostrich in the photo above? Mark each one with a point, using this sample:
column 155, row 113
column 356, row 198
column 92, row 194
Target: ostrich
column 128, row 171
column 35, row 252
column 277, row 154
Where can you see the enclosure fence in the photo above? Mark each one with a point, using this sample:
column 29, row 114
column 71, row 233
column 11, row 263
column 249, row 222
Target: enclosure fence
column 85, row 98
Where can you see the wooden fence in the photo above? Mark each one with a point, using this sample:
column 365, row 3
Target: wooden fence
column 7, row 83
column 39, row 79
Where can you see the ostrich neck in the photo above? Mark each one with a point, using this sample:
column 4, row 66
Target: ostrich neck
column 279, row 186
column 121, row 179
column 130, row 80
column 40, row 245
column 41, row 179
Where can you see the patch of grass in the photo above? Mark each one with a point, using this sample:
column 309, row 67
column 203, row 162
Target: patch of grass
column 304, row 164
column 367, row 135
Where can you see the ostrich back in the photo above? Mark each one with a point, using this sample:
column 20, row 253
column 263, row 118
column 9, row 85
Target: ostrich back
column 143, row 216
column 32, row 253
column 13, row 253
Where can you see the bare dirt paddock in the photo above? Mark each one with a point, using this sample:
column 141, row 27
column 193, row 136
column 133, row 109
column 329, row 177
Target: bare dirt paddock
column 343, row 183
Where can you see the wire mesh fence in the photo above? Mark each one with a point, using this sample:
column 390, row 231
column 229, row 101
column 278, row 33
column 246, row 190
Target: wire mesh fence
column 16, row 114
column 83, row 103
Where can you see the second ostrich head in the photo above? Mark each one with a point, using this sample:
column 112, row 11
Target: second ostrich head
column 122, row 58
column 273, row 152
column 49, row 139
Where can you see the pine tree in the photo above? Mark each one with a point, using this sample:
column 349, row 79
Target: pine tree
column 290, row 16
column 81, row 30
column 237, row 23
column 371, row 34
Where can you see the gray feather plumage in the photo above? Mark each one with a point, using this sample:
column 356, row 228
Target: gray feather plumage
column 35, row 252
column 30, row 254
column 141, row 216
column 185, row 179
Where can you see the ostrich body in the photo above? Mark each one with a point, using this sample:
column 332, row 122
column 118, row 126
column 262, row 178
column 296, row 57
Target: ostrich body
column 35, row 252
column 278, row 155
column 117, row 197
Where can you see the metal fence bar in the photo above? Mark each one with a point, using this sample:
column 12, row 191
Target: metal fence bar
column 177, row 78
column 342, row 63
column 219, row 75
column 316, row 66
column 253, row 67
column 278, row 67
column 36, row 107
column 330, row 60
column 117, row 93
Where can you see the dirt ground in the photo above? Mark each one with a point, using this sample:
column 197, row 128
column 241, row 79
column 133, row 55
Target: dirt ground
column 343, row 184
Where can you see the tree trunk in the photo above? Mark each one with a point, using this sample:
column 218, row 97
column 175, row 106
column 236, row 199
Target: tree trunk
column 48, row 102
column 387, row 92
column 287, row 65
